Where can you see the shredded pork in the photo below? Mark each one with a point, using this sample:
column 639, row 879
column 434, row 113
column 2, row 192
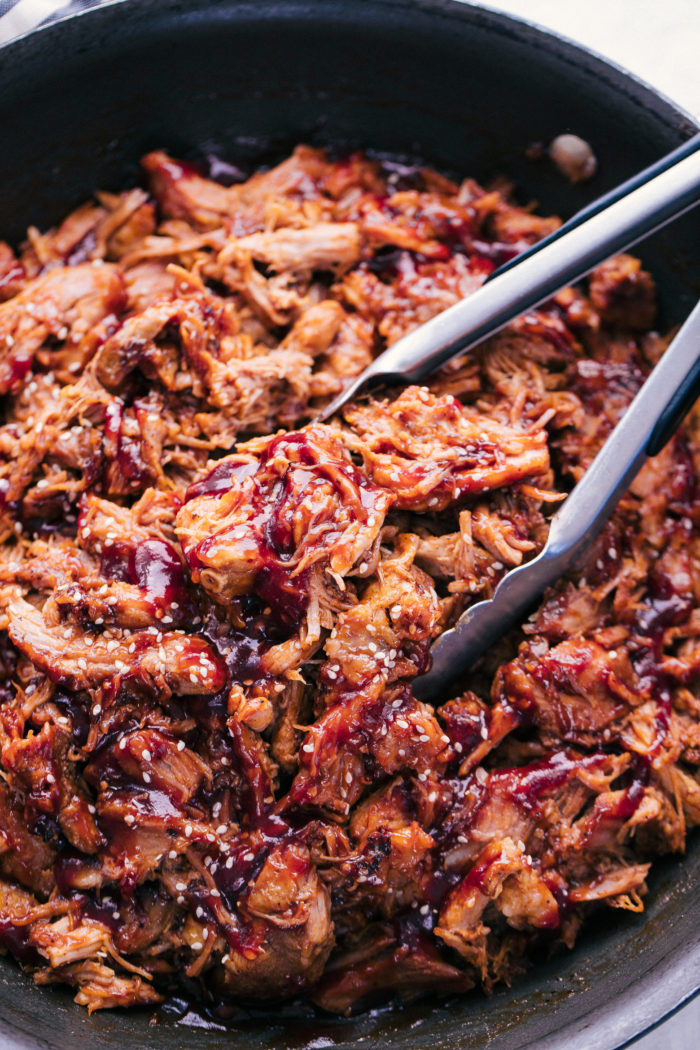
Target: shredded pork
column 213, row 771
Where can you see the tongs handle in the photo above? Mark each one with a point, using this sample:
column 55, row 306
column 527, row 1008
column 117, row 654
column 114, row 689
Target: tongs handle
column 655, row 412
column 659, row 194
column 562, row 261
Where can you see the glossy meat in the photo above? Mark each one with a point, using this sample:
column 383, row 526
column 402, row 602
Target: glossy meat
column 213, row 772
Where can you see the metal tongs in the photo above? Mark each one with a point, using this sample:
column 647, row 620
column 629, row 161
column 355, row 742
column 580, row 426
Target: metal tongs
column 646, row 426
column 610, row 224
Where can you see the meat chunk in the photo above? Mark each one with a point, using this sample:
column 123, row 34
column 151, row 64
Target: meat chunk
column 325, row 246
column 388, row 632
column 214, row 771
column 100, row 988
column 38, row 766
column 12, row 273
column 501, row 875
column 63, row 303
column 70, row 657
column 575, row 691
column 302, row 507
column 293, row 906
column 624, row 294
column 390, row 728
column 24, row 856
column 384, row 966
column 428, row 452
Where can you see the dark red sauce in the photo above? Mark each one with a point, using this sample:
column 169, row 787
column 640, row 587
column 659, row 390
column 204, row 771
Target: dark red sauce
column 83, row 250
column 14, row 370
column 155, row 567
column 16, row 940
column 181, row 169
column 220, row 479
column 12, row 275
column 75, row 706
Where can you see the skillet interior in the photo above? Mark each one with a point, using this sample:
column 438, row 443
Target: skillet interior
column 469, row 90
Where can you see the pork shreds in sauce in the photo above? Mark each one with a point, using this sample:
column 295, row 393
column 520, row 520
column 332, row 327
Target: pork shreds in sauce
column 213, row 769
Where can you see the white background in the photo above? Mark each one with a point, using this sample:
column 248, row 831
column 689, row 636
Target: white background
column 659, row 40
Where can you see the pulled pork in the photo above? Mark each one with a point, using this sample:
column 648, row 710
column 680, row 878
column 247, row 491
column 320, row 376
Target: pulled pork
column 212, row 765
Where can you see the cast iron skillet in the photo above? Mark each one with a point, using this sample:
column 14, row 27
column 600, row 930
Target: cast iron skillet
column 469, row 90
